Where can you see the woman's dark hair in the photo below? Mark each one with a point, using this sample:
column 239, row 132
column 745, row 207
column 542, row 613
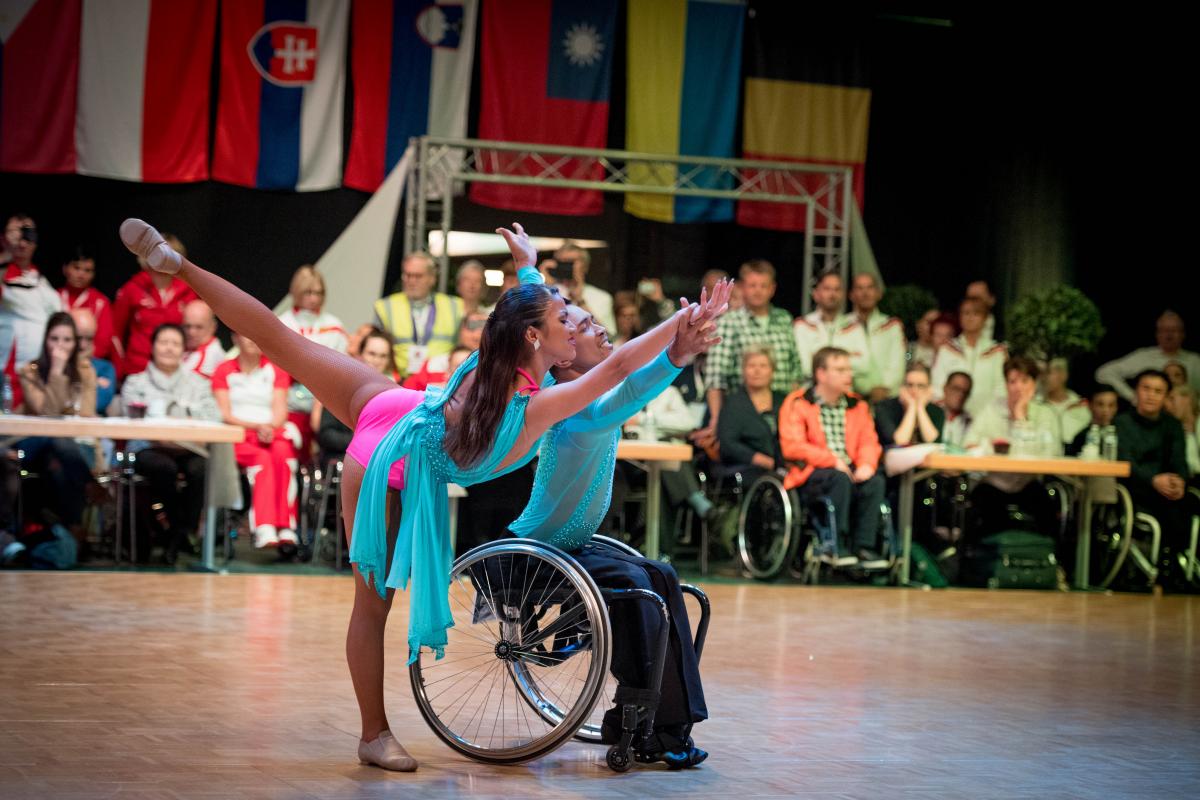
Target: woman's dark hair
column 501, row 350
column 379, row 333
column 168, row 326
column 59, row 319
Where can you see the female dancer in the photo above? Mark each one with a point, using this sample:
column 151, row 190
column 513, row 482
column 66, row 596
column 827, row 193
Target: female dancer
column 487, row 421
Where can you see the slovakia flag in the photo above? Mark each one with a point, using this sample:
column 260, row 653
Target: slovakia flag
column 282, row 90
column 547, row 69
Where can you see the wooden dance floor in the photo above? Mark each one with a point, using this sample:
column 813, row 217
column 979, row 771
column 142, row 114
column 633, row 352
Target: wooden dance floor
column 126, row 685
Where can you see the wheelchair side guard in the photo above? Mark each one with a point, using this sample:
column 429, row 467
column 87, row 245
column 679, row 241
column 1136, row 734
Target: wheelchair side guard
column 705, row 613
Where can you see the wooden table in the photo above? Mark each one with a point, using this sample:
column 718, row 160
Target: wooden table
column 653, row 457
column 14, row 427
column 1062, row 467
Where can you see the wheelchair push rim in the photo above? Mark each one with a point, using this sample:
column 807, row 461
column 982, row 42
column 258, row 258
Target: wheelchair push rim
column 766, row 546
column 526, row 660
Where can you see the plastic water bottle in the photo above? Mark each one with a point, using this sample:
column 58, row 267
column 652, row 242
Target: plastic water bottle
column 649, row 431
column 1091, row 448
column 1108, row 443
column 6, row 403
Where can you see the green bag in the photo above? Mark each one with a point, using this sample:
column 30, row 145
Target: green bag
column 1012, row 559
column 925, row 568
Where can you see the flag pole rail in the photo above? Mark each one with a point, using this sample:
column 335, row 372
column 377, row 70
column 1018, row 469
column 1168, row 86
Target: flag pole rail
column 444, row 165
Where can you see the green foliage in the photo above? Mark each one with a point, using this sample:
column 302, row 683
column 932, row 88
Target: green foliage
column 909, row 303
column 1059, row 323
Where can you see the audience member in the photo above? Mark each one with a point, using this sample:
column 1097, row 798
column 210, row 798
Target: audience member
column 1181, row 404
column 816, row 329
column 26, row 298
column 437, row 369
column 307, row 316
column 148, row 300
column 941, row 331
column 203, row 353
column 470, row 286
column 576, row 261
column 749, row 425
column 923, row 350
column 1176, row 372
column 106, row 373
column 1102, row 406
column 758, row 324
column 828, row 434
column 354, row 341
column 912, row 417
column 874, row 340
column 423, row 323
column 981, row 291
column 1071, row 409
column 376, row 351
column 60, row 382
column 955, row 394
column 166, row 389
column 78, row 293
column 252, row 393
column 977, row 355
column 1169, row 334
column 1155, row 446
column 711, row 278
column 628, row 316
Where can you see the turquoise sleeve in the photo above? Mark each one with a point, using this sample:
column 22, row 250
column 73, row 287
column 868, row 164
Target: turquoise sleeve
column 627, row 398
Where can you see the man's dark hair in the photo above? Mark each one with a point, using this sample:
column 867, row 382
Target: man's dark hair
column 1026, row 366
column 829, row 273
column 822, row 356
column 1151, row 373
column 1099, row 389
column 961, row 374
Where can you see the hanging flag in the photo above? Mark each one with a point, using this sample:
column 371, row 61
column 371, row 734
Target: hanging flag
column 144, row 74
column 282, row 90
column 411, row 72
column 547, row 69
column 39, row 74
column 685, row 58
column 806, row 100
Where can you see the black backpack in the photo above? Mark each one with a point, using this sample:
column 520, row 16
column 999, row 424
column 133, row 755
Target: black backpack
column 1012, row 559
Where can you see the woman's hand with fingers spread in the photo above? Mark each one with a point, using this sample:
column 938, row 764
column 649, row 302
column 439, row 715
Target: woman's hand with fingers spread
column 523, row 252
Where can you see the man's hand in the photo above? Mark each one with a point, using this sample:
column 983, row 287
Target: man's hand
column 763, row 461
column 863, row 473
column 704, row 437
column 843, row 467
column 1169, row 485
column 266, row 434
column 523, row 252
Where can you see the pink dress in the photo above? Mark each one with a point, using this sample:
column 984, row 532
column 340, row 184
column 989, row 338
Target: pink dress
column 377, row 418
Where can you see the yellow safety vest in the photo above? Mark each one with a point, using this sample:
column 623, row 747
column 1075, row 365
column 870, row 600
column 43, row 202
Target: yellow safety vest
column 395, row 317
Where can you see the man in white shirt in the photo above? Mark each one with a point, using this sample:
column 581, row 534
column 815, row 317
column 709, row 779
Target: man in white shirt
column 1169, row 334
column 573, row 259
column 816, row 329
column 981, row 291
column 874, row 340
column 1071, row 409
column 204, row 352
column 26, row 298
column 977, row 355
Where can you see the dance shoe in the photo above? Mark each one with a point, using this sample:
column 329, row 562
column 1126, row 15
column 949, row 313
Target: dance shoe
column 386, row 752
column 148, row 244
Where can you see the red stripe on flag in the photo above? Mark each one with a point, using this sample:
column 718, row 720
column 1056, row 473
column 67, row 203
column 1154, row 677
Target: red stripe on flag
column 176, row 100
column 235, row 152
column 41, row 81
column 371, row 66
column 790, row 216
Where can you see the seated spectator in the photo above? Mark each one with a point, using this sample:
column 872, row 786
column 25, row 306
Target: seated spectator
column 422, row 322
column 148, row 300
column 749, row 426
column 1102, row 406
column 828, row 434
column 912, row 417
column 1023, row 425
column 1181, row 404
column 437, row 369
column 923, row 350
column 252, row 393
column 1176, row 372
column 204, row 352
column 1155, row 446
column 974, row 353
column 874, row 340
column 817, row 329
column 981, row 291
column 1071, row 409
column 26, row 299
column 166, row 389
column 470, row 286
column 941, row 331
column 955, row 394
column 1169, row 334
column 78, row 293
column 61, row 382
column 106, row 373
column 629, row 318
column 307, row 316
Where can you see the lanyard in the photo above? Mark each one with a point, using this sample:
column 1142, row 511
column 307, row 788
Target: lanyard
column 429, row 320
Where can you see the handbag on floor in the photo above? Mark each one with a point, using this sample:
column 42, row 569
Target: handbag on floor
column 1012, row 559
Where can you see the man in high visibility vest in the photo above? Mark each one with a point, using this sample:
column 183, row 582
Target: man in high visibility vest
column 423, row 322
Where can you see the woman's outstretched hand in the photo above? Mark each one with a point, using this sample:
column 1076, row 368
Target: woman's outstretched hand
column 523, row 252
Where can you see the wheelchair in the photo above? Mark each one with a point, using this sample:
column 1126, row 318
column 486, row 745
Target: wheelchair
column 527, row 660
column 1126, row 544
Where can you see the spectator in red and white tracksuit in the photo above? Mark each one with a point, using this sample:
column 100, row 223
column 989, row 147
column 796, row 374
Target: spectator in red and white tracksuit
column 252, row 392
column 26, row 299
column 204, row 351
column 975, row 354
column 148, row 300
column 875, row 342
column 79, row 293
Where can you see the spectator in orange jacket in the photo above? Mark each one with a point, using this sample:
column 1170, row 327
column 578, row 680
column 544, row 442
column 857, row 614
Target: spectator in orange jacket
column 828, row 436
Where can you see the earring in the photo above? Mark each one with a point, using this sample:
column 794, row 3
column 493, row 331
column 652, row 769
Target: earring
column 537, row 345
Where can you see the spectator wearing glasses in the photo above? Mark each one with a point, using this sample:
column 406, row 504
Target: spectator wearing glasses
column 470, row 285
column 78, row 293
column 106, row 373
column 438, row 369
column 955, row 394
column 422, row 322
column 912, row 417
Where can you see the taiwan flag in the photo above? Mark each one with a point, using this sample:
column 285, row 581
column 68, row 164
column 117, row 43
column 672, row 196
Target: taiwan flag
column 411, row 73
column 282, row 91
column 547, row 69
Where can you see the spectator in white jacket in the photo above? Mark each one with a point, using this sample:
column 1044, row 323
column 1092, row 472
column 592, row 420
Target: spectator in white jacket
column 874, row 340
column 817, row 328
column 1169, row 333
column 26, row 298
column 974, row 353
column 1072, row 410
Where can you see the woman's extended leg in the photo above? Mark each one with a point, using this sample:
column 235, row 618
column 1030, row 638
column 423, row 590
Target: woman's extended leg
column 341, row 383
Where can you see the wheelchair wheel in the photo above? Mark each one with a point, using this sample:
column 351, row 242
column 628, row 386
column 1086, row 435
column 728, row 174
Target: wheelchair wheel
column 526, row 659
column 1112, row 536
column 767, row 536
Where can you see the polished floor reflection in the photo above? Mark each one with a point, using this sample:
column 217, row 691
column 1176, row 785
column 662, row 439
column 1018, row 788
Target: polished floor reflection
column 125, row 685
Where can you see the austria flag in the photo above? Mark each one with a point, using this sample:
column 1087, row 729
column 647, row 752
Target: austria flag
column 282, row 90
column 411, row 72
column 547, row 69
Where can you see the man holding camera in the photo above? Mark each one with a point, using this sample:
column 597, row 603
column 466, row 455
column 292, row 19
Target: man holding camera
column 26, row 298
column 568, row 270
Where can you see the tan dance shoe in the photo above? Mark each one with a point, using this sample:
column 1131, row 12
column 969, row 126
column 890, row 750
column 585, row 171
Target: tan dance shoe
column 386, row 752
column 145, row 242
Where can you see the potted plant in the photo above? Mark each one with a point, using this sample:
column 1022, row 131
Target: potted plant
column 1058, row 323
column 909, row 303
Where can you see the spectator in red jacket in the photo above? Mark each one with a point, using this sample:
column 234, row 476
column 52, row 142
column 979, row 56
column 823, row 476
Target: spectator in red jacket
column 829, row 436
column 78, row 292
column 148, row 300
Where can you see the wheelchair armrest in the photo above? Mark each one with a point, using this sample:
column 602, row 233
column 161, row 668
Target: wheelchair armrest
column 705, row 613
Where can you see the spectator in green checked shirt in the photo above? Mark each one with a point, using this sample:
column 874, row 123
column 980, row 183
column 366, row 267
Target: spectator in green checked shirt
column 756, row 324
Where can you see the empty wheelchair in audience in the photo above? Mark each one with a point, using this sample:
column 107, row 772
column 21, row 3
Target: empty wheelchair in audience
column 527, row 660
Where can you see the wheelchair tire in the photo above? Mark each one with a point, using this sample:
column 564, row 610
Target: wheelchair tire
column 768, row 533
column 526, row 660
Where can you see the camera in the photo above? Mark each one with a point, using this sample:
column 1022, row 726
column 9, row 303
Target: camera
column 29, row 234
column 563, row 271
